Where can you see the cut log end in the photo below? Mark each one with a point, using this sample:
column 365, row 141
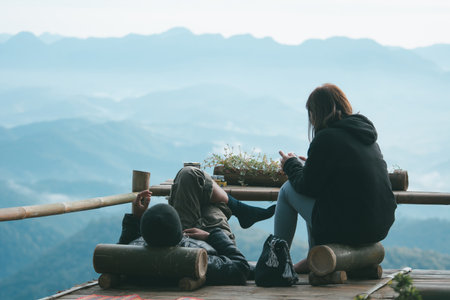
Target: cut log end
column 107, row 281
column 321, row 260
column 201, row 264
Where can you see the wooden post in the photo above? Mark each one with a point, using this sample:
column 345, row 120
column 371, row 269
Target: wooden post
column 337, row 277
column 161, row 262
column 325, row 259
column 141, row 181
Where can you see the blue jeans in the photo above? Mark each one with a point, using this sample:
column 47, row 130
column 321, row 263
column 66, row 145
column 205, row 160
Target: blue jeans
column 289, row 205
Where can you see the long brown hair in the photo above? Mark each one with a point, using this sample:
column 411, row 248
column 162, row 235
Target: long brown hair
column 325, row 105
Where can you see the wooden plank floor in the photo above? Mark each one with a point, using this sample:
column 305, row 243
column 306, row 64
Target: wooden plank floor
column 430, row 281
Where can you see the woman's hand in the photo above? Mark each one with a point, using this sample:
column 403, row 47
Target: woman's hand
column 140, row 204
column 196, row 233
column 285, row 157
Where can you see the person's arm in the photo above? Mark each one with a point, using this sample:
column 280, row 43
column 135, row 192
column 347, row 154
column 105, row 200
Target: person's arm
column 130, row 229
column 230, row 265
column 131, row 223
column 307, row 177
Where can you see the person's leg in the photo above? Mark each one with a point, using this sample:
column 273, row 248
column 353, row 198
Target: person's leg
column 186, row 195
column 218, row 194
column 191, row 195
column 289, row 205
column 285, row 222
column 302, row 266
column 311, row 241
column 247, row 215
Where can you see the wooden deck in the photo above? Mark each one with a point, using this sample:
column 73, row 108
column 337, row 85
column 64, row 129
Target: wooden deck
column 433, row 284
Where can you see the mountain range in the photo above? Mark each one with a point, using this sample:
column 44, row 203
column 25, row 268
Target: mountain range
column 78, row 115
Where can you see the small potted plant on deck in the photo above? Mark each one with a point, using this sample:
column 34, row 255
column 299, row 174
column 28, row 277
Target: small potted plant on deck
column 242, row 168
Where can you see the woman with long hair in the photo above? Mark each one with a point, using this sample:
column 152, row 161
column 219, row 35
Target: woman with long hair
column 342, row 189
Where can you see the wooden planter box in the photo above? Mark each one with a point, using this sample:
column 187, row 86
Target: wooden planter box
column 232, row 177
column 399, row 178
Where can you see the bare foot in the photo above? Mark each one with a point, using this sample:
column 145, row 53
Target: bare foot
column 302, row 267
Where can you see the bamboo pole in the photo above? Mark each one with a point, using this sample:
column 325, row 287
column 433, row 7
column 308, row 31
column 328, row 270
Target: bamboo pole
column 239, row 192
column 141, row 181
column 34, row 211
column 404, row 197
column 251, row 193
column 161, row 190
column 248, row 194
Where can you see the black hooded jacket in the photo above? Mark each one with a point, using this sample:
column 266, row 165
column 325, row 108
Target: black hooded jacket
column 346, row 174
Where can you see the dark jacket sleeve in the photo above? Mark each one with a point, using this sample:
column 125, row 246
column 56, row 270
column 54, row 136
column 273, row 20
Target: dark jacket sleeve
column 229, row 266
column 308, row 179
column 131, row 229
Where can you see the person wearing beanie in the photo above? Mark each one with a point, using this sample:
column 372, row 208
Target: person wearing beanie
column 160, row 226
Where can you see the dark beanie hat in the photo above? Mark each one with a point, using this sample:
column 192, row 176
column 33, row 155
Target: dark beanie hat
column 161, row 226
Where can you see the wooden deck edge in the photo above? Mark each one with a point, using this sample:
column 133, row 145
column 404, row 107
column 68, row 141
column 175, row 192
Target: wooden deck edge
column 71, row 290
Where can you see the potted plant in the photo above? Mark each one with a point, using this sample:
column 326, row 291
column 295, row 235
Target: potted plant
column 242, row 168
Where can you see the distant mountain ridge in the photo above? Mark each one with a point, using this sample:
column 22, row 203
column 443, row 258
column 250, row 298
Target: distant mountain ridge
column 439, row 54
column 180, row 46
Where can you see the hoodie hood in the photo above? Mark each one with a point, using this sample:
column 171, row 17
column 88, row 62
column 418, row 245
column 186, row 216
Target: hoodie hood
column 358, row 126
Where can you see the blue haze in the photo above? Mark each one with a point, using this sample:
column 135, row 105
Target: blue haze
column 78, row 115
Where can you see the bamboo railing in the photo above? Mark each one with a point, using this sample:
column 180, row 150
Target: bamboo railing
column 141, row 181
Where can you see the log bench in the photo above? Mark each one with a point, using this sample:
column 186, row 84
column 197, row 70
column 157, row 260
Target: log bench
column 334, row 263
column 150, row 265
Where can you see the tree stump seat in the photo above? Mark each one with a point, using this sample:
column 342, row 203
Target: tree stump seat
column 334, row 263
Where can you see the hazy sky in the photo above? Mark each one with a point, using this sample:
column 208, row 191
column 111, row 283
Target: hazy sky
column 406, row 23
